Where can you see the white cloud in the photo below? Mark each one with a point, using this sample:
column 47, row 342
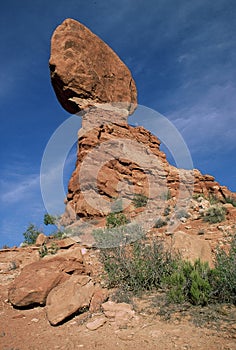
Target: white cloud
column 209, row 124
column 20, row 189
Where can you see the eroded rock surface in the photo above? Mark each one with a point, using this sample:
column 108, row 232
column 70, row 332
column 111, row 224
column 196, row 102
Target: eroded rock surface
column 85, row 71
column 118, row 160
column 69, row 297
column 37, row 279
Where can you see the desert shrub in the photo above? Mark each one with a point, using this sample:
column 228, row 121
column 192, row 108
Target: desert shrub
column 5, row 246
column 160, row 223
column 145, row 266
column 167, row 211
column 59, row 235
column 116, row 219
column 49, row 219
column 196, row 196
column 116, row 236
column 165, row 196
column 224, row 284
column 230, row 200
column 182, row 213
column 51, row 250
column 168, row 195
column 190, row 282
column 31, row 234
column 214, row 214
column 139, row 200
column 137, row 267
column 213, row 199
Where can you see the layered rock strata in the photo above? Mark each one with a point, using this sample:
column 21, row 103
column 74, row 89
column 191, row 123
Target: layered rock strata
column 114, row 160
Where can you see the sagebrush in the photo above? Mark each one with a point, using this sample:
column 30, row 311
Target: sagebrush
column 144, row 266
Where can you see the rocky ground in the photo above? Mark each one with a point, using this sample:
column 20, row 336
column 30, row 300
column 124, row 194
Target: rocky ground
column 107, row 320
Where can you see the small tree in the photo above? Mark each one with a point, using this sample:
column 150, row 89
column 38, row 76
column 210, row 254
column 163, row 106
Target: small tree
column 49, row 219
column 31, row 234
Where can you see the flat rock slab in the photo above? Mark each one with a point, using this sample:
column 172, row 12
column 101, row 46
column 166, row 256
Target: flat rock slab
column 68, row 298
column 97, row 323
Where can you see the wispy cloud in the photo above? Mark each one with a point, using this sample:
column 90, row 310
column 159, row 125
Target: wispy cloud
column 20, row 189
column 209, row 124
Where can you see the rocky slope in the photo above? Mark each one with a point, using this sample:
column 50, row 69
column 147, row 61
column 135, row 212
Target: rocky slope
column 60, row 302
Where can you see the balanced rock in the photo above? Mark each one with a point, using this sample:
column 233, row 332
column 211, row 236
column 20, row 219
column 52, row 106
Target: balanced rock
column 85, row 71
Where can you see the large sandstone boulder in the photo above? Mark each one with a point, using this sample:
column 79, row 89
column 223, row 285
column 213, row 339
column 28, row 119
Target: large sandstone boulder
column 85, row 71
column 68, row 298
column 36, row 280
column 192, row 247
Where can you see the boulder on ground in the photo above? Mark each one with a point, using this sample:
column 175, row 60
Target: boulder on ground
column 37, row 279
column 192, row 247
column 69, row 298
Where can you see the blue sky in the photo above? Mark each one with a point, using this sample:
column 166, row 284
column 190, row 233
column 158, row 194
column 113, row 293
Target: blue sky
column 182, row 56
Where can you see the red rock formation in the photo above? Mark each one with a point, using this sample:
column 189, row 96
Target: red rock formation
column 86, row 71
column 114, row 160
column 96, row 176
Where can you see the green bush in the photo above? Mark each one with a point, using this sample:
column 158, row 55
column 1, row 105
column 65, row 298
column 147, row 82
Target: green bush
column 31, row 234
column 224, row 284
column 165, row 196
column 59, row 235
column 213, row 199
column 190, row 282
column 116, row 236
column 49, row 219
column 144, row 266
column 116, row 219
column 160, row 223
column 231, row 200
column 139, row 200
column 196, row 196
column 182, row 213
column 167, row 211
column 51, row 250
column 137, row 267
column 214, row 214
